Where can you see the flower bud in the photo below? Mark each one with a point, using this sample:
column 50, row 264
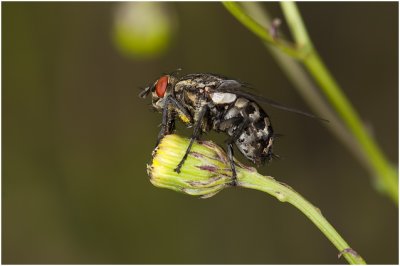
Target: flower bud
column 205, row 172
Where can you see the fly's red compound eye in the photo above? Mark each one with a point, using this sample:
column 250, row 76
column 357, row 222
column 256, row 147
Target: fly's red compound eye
column 161, row 86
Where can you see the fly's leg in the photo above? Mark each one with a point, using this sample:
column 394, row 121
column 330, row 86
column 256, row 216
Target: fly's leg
column 171, row 107
column 232, row 162
column 167, row 124
column 196, row 134
column 229, row 142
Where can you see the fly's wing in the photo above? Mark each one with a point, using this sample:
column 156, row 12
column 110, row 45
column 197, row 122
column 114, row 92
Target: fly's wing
column 236, row 87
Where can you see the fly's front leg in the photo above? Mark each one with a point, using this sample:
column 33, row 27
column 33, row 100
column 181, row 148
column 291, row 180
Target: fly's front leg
column 167, row 124
column 171, row 107
column 196, row 134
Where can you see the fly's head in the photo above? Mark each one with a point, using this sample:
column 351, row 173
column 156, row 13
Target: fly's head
column 160, row 90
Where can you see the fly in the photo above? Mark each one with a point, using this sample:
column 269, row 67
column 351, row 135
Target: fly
column 212, row 102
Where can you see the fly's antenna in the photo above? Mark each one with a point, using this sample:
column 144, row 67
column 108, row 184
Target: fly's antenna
column 143, row 94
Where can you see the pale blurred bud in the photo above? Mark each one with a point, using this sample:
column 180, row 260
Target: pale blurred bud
column 144, row 29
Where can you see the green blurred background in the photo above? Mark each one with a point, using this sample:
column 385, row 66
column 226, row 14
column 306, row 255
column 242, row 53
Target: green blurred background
column 76, row 138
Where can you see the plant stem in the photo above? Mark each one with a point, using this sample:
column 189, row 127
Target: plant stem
column 257, row 29
column 207, row 171
column 296, row 24
column 300, row 80
column 284, row 193
column 384, row 173
column 386, row 176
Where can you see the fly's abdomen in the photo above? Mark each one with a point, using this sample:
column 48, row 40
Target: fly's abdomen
column 251, row 127
column 255, row 142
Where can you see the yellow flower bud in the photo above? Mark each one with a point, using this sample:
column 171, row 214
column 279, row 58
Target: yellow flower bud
column 205, row 172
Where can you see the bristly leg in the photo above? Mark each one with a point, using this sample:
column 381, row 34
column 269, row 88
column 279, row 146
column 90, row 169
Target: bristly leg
column 196, row 134
column 171, row 107
column 232, row 163
column 236, row 134
column 167, row 124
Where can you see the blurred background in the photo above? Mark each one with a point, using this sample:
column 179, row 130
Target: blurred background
column 76, row 138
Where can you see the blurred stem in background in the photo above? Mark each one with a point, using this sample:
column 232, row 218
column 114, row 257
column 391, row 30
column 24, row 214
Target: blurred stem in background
column 344, row 120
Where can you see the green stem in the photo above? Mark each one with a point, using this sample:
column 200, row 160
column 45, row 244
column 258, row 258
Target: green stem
column 385, row 175
column 207, row 171
column 284, row 193
column 300, row 80
column 295, row 23
column 260, row 31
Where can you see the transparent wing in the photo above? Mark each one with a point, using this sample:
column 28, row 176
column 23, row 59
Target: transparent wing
column 236, row 87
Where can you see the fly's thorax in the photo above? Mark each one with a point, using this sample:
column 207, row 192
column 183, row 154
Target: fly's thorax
column 196, row 84
column 207, row 80
column 189, row 98
column 193, row 100
column 183, row 85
